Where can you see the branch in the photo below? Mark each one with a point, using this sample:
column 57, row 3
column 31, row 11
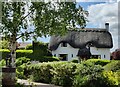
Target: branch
column 23, row 35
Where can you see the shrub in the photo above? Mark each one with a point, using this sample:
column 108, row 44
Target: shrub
column 2, row 63
column 19, row 53
column 29, row 47
column 63, row 74
column 24, row 53
column 114, row 65
column 74, row 60
column 91, row 75
column 4, row 44
column 59, row 73
column 4, row 53
column 40, row 72
column 40, row 49
column 97, row 62
column 111, row 78
column 22, row 60
column 20, row 71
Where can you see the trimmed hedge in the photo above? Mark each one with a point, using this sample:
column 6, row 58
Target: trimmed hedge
column 114, row 66
column 24, row 53
column 19, row 53
column 97, row 62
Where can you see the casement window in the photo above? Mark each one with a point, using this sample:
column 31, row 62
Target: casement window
column 71, row 55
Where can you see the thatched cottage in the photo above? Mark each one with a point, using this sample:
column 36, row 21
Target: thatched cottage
column 93, row 42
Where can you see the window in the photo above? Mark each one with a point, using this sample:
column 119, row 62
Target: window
column 64, row 44
column 54, row 55
column 104, row 56
column 72, row 55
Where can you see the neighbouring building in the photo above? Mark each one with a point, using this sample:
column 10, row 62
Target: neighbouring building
column 75, row 43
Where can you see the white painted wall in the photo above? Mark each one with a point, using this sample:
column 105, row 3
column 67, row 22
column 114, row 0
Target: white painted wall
column 70, row 50
column 66, row 50
column 101, row 51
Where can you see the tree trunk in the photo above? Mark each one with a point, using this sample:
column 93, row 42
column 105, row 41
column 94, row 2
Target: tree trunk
column 12, row 48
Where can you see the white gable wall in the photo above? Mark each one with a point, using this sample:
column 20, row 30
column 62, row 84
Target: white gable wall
column 66, row 50
column 103, row 52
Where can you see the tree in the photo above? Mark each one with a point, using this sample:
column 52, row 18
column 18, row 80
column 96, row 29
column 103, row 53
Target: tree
column 48, row 18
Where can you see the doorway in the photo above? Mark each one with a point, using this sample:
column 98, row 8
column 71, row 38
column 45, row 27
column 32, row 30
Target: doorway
column 63, row 57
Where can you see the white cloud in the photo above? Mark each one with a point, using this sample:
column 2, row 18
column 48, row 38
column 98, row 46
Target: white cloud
column 99, row 14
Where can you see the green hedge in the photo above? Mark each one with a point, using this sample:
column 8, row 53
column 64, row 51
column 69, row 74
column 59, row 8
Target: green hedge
column 24, row 53
column 114, row 66
column 59, row 73
column 19, row 53
column 97, row 62
column 68, row 74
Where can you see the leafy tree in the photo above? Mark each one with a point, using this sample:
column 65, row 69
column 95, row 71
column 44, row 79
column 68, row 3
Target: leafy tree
column 46, row 18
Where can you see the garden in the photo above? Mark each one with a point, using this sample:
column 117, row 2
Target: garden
column 37, row 65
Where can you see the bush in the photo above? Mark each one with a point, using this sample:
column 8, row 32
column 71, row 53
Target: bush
column 48, row 59
column 4, row 53
column 24, row 53
column 40, row 72
column 22, row 60
column 2, row 63
column 92, row 76
column 97, row 62
column 4, row 44
column 63, row 74
column 59, row 73
column 19, row 53
column 29, row 47
column 75, row 61
column 21, row 64
column 40, row 49
column 111, row 78
column 114, row 65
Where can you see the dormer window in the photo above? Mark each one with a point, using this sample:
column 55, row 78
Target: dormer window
column 63, row 44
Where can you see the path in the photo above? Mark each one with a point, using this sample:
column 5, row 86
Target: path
column 35, row 84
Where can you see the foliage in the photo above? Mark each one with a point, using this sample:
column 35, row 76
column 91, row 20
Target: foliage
column 48, row 59
column 97, row 62
column 24, row 53
column 4, row 44
column 63, row 74
column 40, row 49
column 2, row 63
column 20, row 71
column 29, row 47
column 111, row 78
column 68, row 74
column 22, row 60
column 74, row 60
column 47, row 18
column 40, row 72
column 114, row 65
column 19, row 53
column 89, row 75
column 4, row 53
column 21, row 64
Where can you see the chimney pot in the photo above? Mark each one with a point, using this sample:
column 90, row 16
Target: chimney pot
column 107, row 26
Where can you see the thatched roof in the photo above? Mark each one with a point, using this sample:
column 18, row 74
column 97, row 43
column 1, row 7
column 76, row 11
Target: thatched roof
column 100, row 38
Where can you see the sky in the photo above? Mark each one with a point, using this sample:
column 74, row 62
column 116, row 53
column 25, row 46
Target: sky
column 100, row 12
